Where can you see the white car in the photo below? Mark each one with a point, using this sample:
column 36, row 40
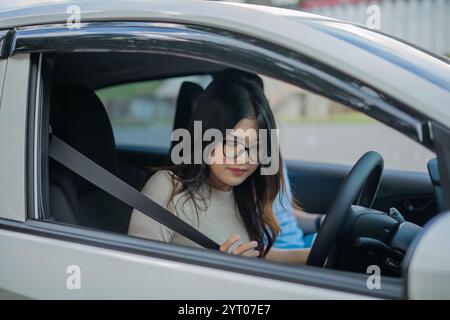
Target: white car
column 64, row 237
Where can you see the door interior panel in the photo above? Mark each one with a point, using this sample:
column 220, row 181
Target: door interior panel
column 315, row 186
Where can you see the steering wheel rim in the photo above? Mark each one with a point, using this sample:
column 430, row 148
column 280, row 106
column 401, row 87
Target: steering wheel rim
column 361, row 184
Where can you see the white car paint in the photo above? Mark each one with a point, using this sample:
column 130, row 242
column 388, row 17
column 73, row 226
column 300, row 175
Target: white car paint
column 429, row 269
column 40, row 271
column 13, row 107
column 36, row 266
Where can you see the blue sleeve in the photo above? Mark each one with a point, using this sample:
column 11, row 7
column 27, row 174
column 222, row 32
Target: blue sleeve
column 291, row 235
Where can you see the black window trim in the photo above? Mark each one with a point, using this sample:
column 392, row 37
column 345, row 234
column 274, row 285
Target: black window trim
column 250, row 52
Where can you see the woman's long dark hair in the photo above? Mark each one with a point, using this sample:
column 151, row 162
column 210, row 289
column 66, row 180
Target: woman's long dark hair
column 229, row 98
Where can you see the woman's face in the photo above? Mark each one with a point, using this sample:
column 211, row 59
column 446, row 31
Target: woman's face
column 230, row 166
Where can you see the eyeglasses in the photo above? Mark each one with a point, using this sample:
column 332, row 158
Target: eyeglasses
column 233, row 149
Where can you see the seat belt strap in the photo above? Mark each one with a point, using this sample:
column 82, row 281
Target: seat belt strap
column 105, row 180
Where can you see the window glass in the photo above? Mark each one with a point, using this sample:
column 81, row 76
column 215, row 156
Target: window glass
column 317, row 129
column 142, row 113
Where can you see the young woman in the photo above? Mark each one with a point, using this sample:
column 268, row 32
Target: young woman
column 225, row 196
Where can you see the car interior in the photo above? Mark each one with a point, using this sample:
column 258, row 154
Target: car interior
column 78, row 117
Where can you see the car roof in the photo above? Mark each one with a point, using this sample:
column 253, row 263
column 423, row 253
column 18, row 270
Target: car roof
column 412, row 76
column 29, row 12
column 19, row 7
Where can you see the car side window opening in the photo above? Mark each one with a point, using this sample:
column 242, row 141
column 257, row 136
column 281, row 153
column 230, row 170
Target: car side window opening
column 96, row 120
column 317, row 129
column 142, row 113
column 313, row 128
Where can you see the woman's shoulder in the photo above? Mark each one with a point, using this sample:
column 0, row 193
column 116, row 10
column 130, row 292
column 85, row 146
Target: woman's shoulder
column 159, row 186
column 161, row 176
column 163, row 179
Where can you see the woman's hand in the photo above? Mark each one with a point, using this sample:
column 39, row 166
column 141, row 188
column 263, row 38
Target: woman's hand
column 245, row 249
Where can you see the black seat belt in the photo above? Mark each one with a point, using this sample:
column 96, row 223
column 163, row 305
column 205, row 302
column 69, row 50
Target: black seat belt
column 103, row 179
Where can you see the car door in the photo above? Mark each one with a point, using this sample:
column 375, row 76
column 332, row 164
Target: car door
column 43, row 259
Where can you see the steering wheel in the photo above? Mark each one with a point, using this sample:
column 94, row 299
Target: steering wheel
column 361, row 184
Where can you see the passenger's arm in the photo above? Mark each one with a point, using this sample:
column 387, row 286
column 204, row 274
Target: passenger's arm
column 292, row 256
column 307, row 221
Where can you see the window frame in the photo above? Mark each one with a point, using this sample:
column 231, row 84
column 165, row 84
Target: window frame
column 120, row 146
column 255, row 55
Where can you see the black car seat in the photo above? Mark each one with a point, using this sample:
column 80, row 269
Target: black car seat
column 78, row 117
column 187, row 97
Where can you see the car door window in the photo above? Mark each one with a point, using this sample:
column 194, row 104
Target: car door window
column 142, row 113
column 317, row 129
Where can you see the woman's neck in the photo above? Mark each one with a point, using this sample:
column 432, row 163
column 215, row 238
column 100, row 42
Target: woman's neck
column 217, row 184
